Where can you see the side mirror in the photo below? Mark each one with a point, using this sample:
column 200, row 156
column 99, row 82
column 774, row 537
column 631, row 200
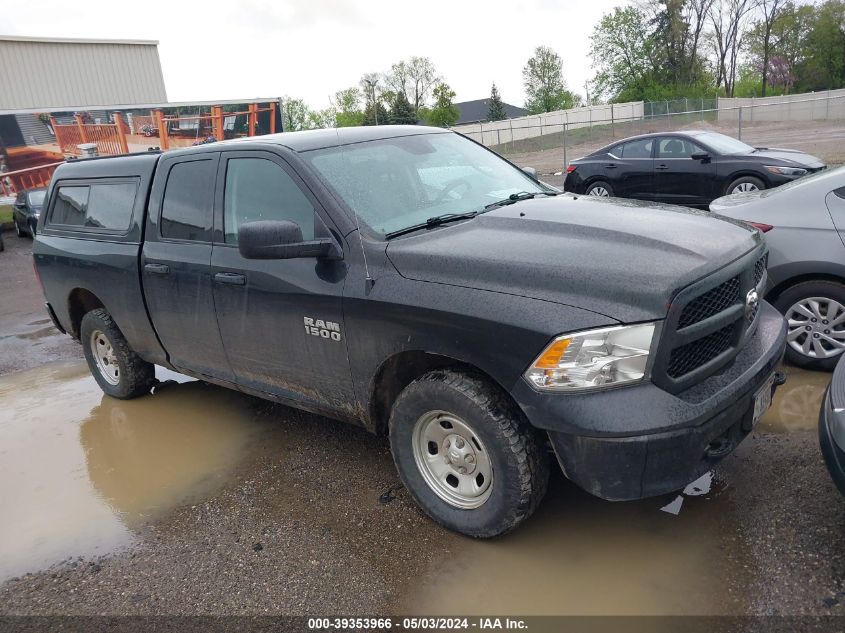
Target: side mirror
column 282, row 239
column 702, row 156
column 531, row 172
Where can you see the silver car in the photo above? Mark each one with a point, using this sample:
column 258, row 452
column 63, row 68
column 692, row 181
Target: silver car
column 804, row 225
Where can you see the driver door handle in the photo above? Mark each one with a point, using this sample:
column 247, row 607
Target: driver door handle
column 610, row 165
column 235, row 279
column 157, row 269
column 662, row 167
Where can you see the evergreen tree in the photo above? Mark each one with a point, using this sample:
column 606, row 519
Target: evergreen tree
column 376, row 115
column 496, row 109
column 402, row 112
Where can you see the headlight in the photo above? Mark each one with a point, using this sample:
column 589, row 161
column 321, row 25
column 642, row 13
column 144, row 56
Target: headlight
column 595, row 358
column 786, row 171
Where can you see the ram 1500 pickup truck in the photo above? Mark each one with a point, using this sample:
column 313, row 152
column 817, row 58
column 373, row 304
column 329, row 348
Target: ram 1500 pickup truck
column 412, row 281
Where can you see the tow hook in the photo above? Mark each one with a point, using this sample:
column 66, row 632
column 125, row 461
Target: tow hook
column 780, row 378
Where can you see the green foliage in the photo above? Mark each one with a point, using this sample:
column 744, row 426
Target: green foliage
column 496, row 109
column 295, row 114
column 349, row 119
column 377, row 115
column 402, row 112
column 5, row 213
column 823, row 61
column 545, row 89
column 443, row 113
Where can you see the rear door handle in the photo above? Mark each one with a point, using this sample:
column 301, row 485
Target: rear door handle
column 236, row 279
column 157, row 269
column 662, row 167
column 611, row 165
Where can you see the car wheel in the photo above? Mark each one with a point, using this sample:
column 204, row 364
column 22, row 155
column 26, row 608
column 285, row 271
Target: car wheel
column 18, row 229
column 600, row 188
column 119, row 371
column 815, row 315
column 2, row 246
column 467, row 454
column 744, row 184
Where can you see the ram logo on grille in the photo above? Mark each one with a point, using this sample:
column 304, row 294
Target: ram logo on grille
column 752, row 302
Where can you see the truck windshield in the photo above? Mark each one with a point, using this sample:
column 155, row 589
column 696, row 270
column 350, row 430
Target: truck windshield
column 395, row 183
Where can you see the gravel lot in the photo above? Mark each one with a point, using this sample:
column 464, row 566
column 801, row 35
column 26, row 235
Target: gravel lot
column 196, row 500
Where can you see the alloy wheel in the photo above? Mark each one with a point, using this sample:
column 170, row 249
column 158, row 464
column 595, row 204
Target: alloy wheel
column 816, row 327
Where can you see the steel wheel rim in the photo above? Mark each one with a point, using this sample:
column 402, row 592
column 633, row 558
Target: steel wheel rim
column 444, row 445
column 816, row 327
column 599, row 191
column 104, row 357
column 745, row 187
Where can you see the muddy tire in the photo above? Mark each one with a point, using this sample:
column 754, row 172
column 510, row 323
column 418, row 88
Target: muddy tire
column 119, row 371
column 814, row 344
column 467, row 454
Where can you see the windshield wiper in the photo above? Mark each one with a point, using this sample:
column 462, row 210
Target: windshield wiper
column 516, row 197
column 437, row 220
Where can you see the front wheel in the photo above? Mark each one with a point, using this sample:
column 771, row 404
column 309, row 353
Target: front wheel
column 601, row 189
column 466, row 454
column 745, row 184
column 119, row 371
column 815, row 315
column 18, row 229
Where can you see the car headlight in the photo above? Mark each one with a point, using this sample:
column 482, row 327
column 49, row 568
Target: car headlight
column 594, row 358
column 786, row 171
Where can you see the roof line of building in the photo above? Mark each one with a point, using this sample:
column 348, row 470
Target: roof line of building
column 135, row 106
column 74, row 40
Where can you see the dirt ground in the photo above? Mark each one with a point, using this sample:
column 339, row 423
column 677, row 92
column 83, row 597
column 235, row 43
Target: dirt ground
column 199, row 500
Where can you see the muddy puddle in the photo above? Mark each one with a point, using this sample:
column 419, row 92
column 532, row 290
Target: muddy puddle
column 671, row 555
column 796, row 404
column 79, row 471
column 582, row 556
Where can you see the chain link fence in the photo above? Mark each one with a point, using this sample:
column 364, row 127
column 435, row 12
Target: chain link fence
column 811, row 123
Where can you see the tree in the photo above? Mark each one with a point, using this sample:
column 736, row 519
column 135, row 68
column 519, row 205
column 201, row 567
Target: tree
column 415, row 78
column 443, row 113
column 823, row 65
column 402, row 112
column 496, row 109
column 347, row 102
column 728, row 19
column 295, row 114
column 374, row 111
column 623, row 55
column 545, row 88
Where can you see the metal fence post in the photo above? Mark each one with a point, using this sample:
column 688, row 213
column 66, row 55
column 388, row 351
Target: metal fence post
column 739, row 130
column 565, row 126
column 510, row 125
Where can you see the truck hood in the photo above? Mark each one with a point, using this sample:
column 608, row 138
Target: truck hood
column 619, row 258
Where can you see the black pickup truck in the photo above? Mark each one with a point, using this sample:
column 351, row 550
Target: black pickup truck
column 409, row 280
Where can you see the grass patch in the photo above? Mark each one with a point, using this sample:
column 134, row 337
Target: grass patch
column 5, row 213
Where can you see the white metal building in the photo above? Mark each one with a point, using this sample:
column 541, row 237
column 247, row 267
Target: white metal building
column 41, row 73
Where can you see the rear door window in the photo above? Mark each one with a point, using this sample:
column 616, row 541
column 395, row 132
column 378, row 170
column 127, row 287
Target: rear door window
column 186, row 211
column 101, row 206
column 638, row 149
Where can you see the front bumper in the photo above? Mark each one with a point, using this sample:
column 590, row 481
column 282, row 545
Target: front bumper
column 832, row 427
column 641, row 441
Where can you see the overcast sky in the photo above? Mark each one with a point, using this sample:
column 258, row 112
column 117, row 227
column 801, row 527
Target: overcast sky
column 312, row 48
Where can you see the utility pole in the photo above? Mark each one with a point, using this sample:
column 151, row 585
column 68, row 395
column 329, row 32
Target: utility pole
column 371, row 84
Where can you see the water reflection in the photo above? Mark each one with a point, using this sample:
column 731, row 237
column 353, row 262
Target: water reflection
column 82, row 470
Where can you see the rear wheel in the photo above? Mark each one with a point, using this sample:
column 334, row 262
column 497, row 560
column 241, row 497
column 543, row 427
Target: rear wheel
column 466, row 454
column 815, row 315
column 745, row 184
column 600, row 188
column 118, row 370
